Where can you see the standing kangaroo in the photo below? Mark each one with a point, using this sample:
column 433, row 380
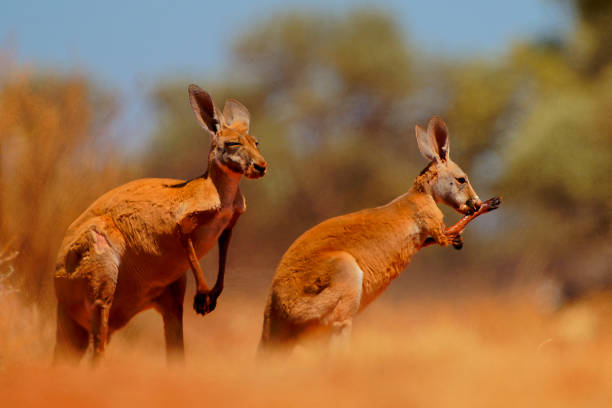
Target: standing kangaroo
column 130, row 249
column 338, row 267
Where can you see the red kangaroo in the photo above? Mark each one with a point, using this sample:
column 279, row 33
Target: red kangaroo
column 334, row 270
column 129, row 250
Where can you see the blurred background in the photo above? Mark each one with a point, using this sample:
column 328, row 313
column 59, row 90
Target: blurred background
column 94, row 95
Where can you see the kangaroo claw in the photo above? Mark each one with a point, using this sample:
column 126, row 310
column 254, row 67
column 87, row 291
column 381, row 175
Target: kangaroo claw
column 458, row 242
column 201, row 303
column 205, row 302
column 213, row 296
column 491, row 204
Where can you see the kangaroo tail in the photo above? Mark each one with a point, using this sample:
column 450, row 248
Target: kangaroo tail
column 264, row 342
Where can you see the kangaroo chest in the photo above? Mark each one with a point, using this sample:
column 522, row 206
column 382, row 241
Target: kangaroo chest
column 205, row 236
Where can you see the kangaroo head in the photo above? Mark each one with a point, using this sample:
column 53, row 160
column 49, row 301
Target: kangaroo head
column 443, row 178
column 232, row 147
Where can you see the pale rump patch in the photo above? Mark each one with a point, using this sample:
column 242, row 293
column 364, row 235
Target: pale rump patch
column 100, row 242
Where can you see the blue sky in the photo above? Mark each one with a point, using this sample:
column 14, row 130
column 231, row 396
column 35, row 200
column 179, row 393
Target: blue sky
column 127, row 45
column 120, row 41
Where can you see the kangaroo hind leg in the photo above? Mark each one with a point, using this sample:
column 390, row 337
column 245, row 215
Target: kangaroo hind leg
column 102, row 268
column 72, row 340
column 329, row 304
column 347, row 283
column 104, row 293
column 170, row 305
column 323, row 303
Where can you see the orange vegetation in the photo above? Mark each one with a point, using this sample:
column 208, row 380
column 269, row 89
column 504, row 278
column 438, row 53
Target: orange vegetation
column 470, row 352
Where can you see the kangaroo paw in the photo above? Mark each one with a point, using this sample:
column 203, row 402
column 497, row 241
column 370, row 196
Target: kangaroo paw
column 202, row 302
column 213, row 296
column 458, row 242
column 490, row 205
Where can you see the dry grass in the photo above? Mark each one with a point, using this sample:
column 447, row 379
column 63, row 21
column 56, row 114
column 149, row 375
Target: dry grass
column 473, row 352
column 477, row 352
column 56, row 157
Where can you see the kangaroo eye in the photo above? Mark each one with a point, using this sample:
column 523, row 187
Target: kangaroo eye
column 256, row 143
column 461, row 180
column 230, row 144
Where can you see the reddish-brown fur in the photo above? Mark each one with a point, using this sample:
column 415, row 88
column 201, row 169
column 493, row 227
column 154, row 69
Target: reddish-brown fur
column 130, row 249
column 338, row 267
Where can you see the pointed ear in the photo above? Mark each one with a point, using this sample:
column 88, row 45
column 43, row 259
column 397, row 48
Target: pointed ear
column 426, row 147
column 235, row 112
column 204, row 109
column 438, row 133
column 220, row 118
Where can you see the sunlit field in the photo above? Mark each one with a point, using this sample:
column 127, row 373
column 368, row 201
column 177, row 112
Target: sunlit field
column 501, row 351
column 520, row 317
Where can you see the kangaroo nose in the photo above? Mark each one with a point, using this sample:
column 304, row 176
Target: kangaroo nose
column 261, row 168
column 474, row 203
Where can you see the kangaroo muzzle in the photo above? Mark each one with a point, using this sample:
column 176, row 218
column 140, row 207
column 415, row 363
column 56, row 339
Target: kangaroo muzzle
column 258, row 169
column 473, row 204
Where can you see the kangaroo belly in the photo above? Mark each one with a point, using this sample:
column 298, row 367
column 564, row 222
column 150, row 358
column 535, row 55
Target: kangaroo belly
column 141, row 281
column 381, row 271
column 372, row 290
column 143, row 277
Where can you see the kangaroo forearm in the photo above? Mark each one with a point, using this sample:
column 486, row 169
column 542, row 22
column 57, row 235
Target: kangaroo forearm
column 195, row 266
column 224, row 240
column 489, row 205
column 458, row 227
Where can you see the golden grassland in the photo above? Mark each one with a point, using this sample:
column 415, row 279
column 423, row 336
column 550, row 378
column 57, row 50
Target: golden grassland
column 479, row 351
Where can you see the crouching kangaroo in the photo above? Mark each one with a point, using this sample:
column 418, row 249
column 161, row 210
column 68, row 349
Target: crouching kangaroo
column 130, row 249
column 338, row 267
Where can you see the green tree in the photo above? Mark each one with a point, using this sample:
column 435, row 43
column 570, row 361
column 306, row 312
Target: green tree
column 334, row 100
column 329, row 97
